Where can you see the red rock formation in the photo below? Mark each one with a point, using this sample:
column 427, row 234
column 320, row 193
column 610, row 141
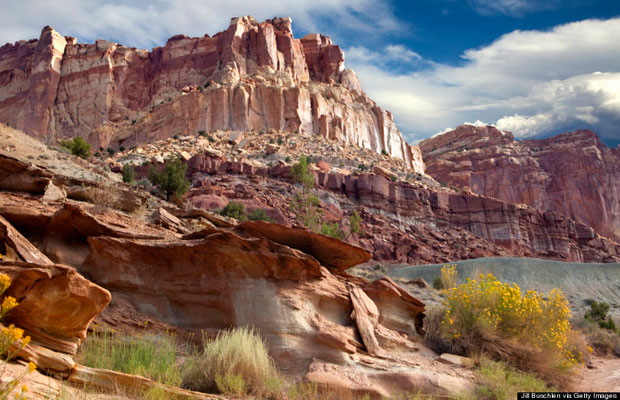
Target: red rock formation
column 415, row 224
column 56, row 304
column 573, row 174
column 251, row 76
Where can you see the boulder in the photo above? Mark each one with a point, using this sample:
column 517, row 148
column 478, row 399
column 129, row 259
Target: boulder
column 331, row 252
column 56, row 304
column 19, row 176
column 16, row 247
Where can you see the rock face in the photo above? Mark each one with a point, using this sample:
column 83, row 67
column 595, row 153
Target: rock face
column 252, row 76
column 229, row 277
column 573, row 174
column 56, row 304
column 415, row 225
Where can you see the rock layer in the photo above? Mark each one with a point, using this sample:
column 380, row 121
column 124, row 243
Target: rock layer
column 408, row 223
column 250, row 76
column 573, row 174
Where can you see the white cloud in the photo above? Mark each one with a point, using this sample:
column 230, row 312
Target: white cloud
column 390, row 57
column 529, row 82
column 148, row 23
column 515, row 8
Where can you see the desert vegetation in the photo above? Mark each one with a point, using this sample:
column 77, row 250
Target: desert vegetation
column 526, row 330
column 12, row 340
column 171, row 179
column 600, row 330
column 236, row 362
column 238, row 211
column 152, row 356
column 77, row 147
column 306, row 205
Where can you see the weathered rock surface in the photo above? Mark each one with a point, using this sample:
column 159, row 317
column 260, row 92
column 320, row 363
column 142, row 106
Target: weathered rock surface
column 405, row 222
column 573, row 174
column 118, row 382
column 15, row 247
column 221, row 279
column 252, row 76
column 56, row 304
column 19, row 176
column 331, row 252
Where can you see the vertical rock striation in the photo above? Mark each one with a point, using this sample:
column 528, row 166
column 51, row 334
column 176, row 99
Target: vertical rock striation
column 250, row 76
column 573, row 174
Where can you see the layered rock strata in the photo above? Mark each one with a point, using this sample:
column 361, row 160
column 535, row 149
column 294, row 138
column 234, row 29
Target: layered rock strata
column 573, row 174
column 408, row 223
column 252, row 76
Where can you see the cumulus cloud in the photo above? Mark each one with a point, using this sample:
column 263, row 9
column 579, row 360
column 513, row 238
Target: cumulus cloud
column 529, row 82
column 148, row 23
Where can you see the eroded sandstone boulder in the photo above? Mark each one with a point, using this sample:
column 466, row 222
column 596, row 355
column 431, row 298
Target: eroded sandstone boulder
column 331, row 252
column 56, row 304
column 18, row 176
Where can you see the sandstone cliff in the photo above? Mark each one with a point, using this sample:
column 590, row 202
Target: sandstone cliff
column 573, row 174
column 252, row 76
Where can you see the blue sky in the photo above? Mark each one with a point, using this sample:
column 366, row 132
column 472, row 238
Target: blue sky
column 535, row 68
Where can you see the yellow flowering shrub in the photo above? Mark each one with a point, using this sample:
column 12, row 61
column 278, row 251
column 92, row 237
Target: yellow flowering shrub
column 500, row 310
column 12, row 340
column 448, row 276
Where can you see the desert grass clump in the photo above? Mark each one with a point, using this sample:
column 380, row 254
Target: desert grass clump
column 151, row 356
column 236, row 362
column 500, row 381
column 102, row 198
column 526, row 329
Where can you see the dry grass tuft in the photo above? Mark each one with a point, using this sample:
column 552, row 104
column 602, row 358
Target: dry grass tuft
column 236, row 362
column 102, row 198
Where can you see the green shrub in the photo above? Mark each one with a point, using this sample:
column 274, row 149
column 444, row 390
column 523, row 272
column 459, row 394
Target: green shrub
column 332, row 230
column 259, row 215
column 234, row 210
column 235, row 362
column 598, row 313
column 383, row 152
column 77, row 147
column 287, row 159
column 129, row 173
column 306, row 209
column 280, row 140
column 110, row 151
column 122, row 148
column 355, row 222
column 152, row 356
column 437, row 283
column 172, row 179
column 300, row 174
